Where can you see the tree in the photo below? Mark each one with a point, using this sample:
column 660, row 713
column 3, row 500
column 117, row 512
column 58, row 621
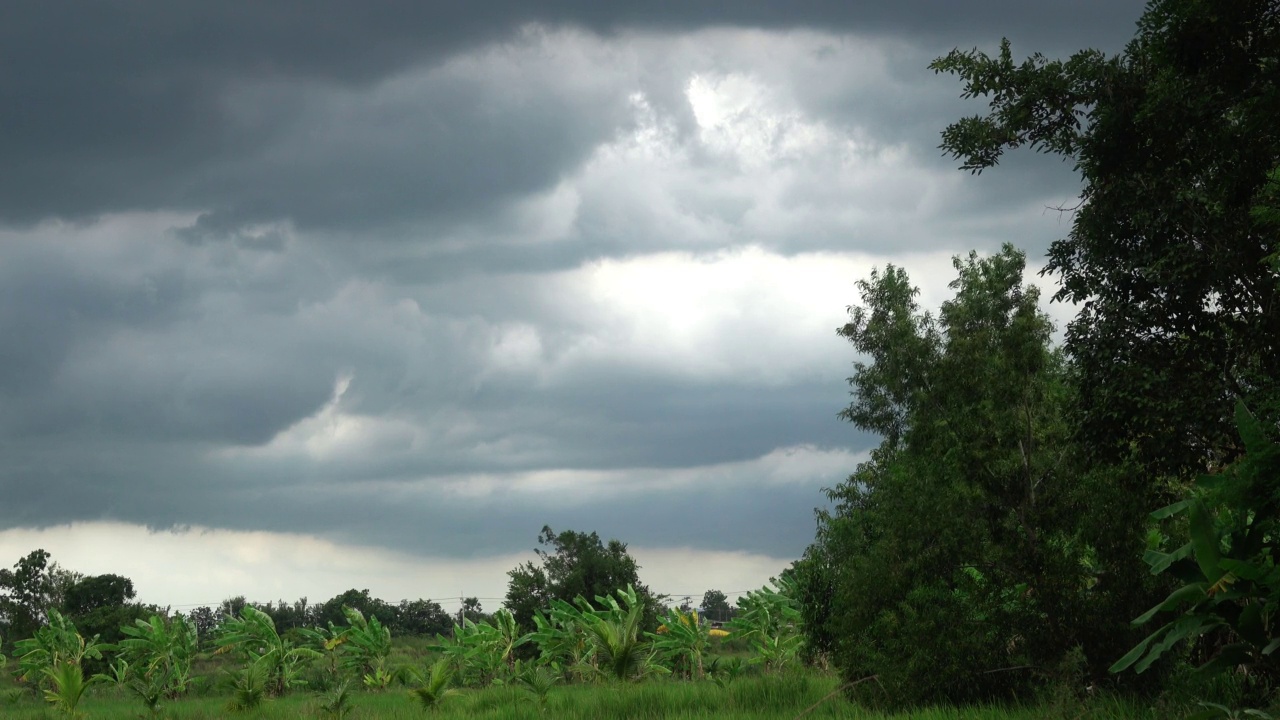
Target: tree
column 95, row 592
column 421, row 617
column 28, row 593
column 333, row 610
column 715, row 606
column 205, row 622
column 1171, row 254
column 575, row 564
column 100, row 605
column 289, row 616
column 472, row 610
column 232, row 606
column 962, row 547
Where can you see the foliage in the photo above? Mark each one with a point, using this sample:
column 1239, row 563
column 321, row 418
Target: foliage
column 366, row 642
column 1228, row 567
column 481, row 653
column 715, row 606
column 427, row 618
column 724, row 671
column 537, row 679
column 435, row 688
column 53, row 645
column 291, row 616
column 562, row 640
column 682, row 641
column 337, row 703
column 472, row 609
column 575, row 565
column 962, row 553
column 100, row 605
column 232, row 606
column 66, row 686
column 253, row 635
column 615, row 634
column 1171, row 254
column 27, row 593
column 156, row 655
column 205, row 622
column 770, row 619
column 334, row 610
column 249, row 685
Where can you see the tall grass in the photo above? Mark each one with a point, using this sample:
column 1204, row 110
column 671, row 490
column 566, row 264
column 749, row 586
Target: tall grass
column 781, row 697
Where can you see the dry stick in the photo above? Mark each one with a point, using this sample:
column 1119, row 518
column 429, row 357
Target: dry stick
column 835, row 692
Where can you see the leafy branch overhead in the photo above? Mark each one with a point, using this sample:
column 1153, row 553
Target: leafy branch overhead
column 1171, row 256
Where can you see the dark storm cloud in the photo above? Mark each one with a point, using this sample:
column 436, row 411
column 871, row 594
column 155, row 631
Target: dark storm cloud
column 736, row 510
column 111, row 349
column 109, row 108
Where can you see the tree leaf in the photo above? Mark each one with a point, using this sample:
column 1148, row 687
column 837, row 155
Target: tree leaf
column 1192, row 593
column 1171, row 510
column 1204, row 537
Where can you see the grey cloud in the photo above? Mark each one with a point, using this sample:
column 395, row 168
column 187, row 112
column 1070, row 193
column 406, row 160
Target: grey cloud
column 167, row 489
column 108, row 110
column 131, row 420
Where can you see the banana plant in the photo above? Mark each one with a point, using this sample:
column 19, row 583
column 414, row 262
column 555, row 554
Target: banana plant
column 328, row 644
column 379, row 677
column 158, row 653
column 1231, row 581
column 363, row 645
column 55, row 644
column 682, row 640
column 482, row 653
column 770, row 619
column 620, row 649
column 562, row 641
column 254, row 636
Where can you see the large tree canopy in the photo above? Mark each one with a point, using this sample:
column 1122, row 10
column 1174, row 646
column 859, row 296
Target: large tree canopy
column 28, row 592
column 574, row 563
column 966, row 545
column 1175, row 278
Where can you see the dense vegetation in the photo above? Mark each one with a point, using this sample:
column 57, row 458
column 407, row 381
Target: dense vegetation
column 1027, row 503
column 1090, row 529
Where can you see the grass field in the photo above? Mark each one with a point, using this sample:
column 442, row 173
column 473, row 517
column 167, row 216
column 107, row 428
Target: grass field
column 782, row 697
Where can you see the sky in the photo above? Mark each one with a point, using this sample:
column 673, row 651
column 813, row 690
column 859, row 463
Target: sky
column 297, row 297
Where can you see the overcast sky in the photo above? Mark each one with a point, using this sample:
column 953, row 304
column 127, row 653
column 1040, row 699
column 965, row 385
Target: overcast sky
column 303, row 296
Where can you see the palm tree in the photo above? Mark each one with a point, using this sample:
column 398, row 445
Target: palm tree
column 436, row 688
column 67, row 686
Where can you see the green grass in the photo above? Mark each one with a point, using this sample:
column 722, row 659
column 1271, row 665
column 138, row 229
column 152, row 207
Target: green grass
column 782, row 697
